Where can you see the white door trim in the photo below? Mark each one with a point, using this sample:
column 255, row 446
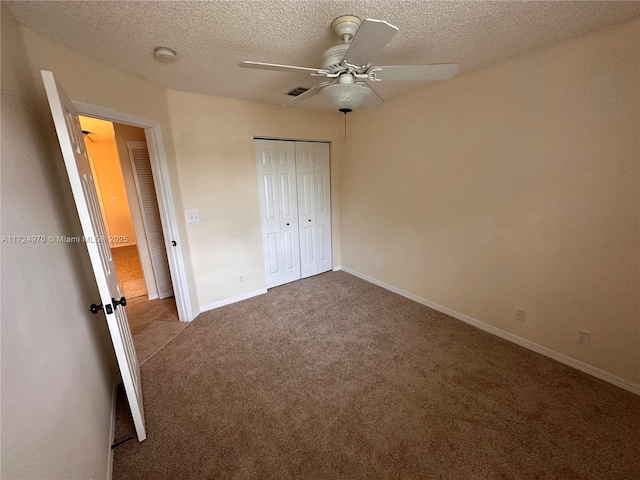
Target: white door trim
column 153, row 134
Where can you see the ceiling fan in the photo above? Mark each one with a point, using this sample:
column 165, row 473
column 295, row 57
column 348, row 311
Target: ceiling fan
column 349, row 69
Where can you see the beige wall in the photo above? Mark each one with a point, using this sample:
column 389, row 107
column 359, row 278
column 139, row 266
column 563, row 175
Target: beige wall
column 96, row 83
column 213, row 139
column 512, row 186
column 104, row 155
column 57, row 363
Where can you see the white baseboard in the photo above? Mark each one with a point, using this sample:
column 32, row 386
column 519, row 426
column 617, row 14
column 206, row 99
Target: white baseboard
column 572, row 362
column 112, row 428
column 337, row 269
column 229, row 301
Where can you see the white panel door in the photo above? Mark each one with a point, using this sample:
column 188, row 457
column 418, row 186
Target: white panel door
column 314, row 207
column 67, row 125
column 275, row 163
column 306, row 209
column 322, row 205
column 146, row 192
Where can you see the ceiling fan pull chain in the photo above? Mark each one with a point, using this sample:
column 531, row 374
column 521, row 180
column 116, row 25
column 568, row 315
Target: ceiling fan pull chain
column 345, row 126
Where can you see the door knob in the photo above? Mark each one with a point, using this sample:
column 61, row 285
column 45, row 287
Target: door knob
column 287, row 224
column 122, row 301
column 96, row 308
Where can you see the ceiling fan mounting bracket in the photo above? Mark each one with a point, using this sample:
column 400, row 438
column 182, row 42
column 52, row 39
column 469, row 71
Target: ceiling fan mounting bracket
column 345, row 27
column 355, row 69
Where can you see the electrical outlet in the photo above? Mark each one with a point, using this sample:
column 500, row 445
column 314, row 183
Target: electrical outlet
column 193, row 216
column 520, row 315
column 583, row 337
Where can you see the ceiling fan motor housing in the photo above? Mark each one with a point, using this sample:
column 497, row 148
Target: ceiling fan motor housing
column 345, row 27
column 332, row 57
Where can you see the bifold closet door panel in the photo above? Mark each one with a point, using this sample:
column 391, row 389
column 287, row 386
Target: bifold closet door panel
column 322, row 174
column 314, row 207
column 306, row 208
column 275, row 163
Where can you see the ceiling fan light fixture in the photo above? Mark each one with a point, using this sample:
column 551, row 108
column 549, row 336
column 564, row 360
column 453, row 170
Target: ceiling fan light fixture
column 346, row 95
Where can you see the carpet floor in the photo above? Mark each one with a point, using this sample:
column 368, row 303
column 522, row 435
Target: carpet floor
column 332, row 377
column 153, row 323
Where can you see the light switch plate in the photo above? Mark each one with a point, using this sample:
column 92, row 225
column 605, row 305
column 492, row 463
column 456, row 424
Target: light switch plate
column 193, row 216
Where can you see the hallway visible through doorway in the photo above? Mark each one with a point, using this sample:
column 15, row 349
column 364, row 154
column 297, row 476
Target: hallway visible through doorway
column 119, row 161
column 153, row 323
column 129, row 271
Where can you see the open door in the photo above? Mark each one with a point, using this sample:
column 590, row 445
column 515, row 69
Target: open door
column 65, row 119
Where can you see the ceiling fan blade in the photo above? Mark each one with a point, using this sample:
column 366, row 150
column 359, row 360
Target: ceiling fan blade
column 374, row 99
column 371, row 36
column 280, row 68
column 309, row 93
column 436, row 71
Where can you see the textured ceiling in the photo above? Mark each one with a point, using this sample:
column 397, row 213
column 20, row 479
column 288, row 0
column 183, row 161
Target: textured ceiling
column 211, row 38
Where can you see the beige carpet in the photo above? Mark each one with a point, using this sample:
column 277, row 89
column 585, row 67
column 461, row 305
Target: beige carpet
column 153, row 322
column 129, row 271
column 331, row 377
column 142, row 312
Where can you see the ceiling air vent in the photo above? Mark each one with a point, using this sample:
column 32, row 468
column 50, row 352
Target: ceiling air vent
column 297, row 91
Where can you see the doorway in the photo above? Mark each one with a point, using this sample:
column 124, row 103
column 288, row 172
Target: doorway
column 120, row 164
column 160, row 172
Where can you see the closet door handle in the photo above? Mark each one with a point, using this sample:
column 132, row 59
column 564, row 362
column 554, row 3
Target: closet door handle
column 287, row 224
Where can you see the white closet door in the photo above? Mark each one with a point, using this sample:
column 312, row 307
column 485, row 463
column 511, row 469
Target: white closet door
column 276, row 166
column 146, row 190
column 314, row 207
column 306, row 209
column 322, row 175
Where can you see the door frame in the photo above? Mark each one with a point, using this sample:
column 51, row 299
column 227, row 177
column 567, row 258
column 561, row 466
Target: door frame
column 160, row 171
